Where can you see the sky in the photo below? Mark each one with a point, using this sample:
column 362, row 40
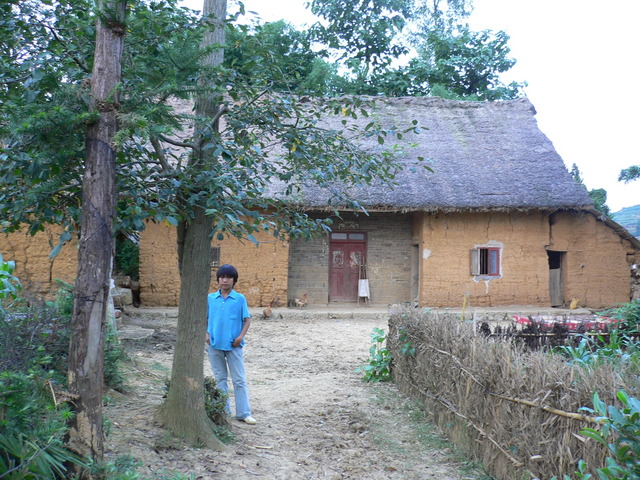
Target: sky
column 579, row 59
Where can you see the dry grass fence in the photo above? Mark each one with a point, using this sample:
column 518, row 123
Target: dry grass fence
column 516, row 411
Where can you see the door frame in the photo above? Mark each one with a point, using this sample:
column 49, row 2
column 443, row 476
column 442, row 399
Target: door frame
column 345, row 237
column 556, row 277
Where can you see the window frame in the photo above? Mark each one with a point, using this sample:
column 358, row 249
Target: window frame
column 486, row 261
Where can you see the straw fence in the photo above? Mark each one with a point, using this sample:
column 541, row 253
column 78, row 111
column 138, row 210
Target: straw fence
column 516, row 411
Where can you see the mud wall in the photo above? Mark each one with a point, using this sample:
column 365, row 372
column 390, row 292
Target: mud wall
column 598, row 261
column 262, row 269
column 36, row 271
column 596, row 270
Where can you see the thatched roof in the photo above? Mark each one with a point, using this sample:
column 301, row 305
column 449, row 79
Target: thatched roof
column 484, row 156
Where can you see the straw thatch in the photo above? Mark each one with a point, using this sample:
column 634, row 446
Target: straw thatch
column 517, row 412
column 484, row 156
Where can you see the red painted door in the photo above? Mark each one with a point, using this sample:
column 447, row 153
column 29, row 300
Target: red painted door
column 346, row 256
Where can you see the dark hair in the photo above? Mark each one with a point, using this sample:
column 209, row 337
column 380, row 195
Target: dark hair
column 227, row 271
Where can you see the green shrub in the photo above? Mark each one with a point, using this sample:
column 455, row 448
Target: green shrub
column 616, row 348
column 378, row 369
column 629, row 316
column 215, row 401
column 620, row 433
column 127, row 257
column 9, row 285
column 36, row 334
column 32, row 429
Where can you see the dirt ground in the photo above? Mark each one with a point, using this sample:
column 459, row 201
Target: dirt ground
column 316, row 418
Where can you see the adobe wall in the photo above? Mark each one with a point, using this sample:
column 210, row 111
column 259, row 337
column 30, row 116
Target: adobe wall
column 446, row 242
column 596, row 269
column 388, row 259
column 262, row 269
column 36, row 271
column 598, row 261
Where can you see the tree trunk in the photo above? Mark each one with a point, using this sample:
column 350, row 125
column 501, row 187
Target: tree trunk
column 96, row 247
column 183, row 412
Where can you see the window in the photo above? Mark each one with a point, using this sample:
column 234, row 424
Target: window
column 349, row 236
column 485, row 261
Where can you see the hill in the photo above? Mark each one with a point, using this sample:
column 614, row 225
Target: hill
column 629, row 218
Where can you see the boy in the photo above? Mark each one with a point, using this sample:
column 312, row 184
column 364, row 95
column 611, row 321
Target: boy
column 228, row 320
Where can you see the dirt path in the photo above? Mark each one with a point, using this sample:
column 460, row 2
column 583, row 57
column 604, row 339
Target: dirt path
column 316, row 418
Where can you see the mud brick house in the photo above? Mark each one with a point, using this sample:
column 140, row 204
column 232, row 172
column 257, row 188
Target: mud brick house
column 498, row 222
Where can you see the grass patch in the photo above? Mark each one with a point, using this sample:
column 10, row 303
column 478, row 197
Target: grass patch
column 405, row 430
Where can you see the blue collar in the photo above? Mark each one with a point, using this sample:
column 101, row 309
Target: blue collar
column 232, row 294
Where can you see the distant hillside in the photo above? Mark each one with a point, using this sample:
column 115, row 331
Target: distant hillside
column 629, row 218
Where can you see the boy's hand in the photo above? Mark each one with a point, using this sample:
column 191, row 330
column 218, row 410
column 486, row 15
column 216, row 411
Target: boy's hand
column 208, row 339
column 236, row 342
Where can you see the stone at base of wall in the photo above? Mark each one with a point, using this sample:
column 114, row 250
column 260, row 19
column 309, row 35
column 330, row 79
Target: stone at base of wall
column 121, row 296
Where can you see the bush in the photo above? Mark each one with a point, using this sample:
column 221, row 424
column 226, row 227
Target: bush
column 379, row 367
column 9, row 285
column 36, row 334
column 620, row 434
column 32, row 428
column 616, row 348
column 127, row 257
column 215, row 401
column 629, row 316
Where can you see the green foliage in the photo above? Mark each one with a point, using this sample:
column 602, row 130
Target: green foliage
column 114, row 356
column 616, row 348
column 127, row 259
column 214, row 406
column 629, row 174
column 126, row 468
column 378, row 368
column 464, row 63
column 9, row 285
column 363, row 32
column 406, row 347
column 40, row 175
column 36, row 336
column 277, row 56
column 598, row 196
column 628, row 315
column 32, row 428
column 620, row 433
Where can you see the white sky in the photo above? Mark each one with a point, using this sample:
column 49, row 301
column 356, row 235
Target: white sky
column 579, row 58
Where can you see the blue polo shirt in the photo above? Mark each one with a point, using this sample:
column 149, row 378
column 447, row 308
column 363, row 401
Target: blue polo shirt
column 225, row 318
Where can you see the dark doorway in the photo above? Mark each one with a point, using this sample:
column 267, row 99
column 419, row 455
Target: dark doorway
column 556, row 287
column 347, row 254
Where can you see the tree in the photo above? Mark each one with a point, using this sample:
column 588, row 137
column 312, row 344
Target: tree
column 230, row 169
column 629, row 174
column 250, row 152
column 363, row 32
column 183, row 412
column 464, row 63
column 96, row 244
column 289, row 55
column 598, row 196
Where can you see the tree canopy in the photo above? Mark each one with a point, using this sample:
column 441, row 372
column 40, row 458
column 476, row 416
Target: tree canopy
column 205, row 170
column 229, row 165
column 629, row 174
column 598, row 195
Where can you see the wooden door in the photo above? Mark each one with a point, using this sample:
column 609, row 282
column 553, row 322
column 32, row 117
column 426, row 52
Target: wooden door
column 347, row 253
column 556, row 287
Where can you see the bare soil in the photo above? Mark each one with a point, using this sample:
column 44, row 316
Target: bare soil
column 316, row 418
